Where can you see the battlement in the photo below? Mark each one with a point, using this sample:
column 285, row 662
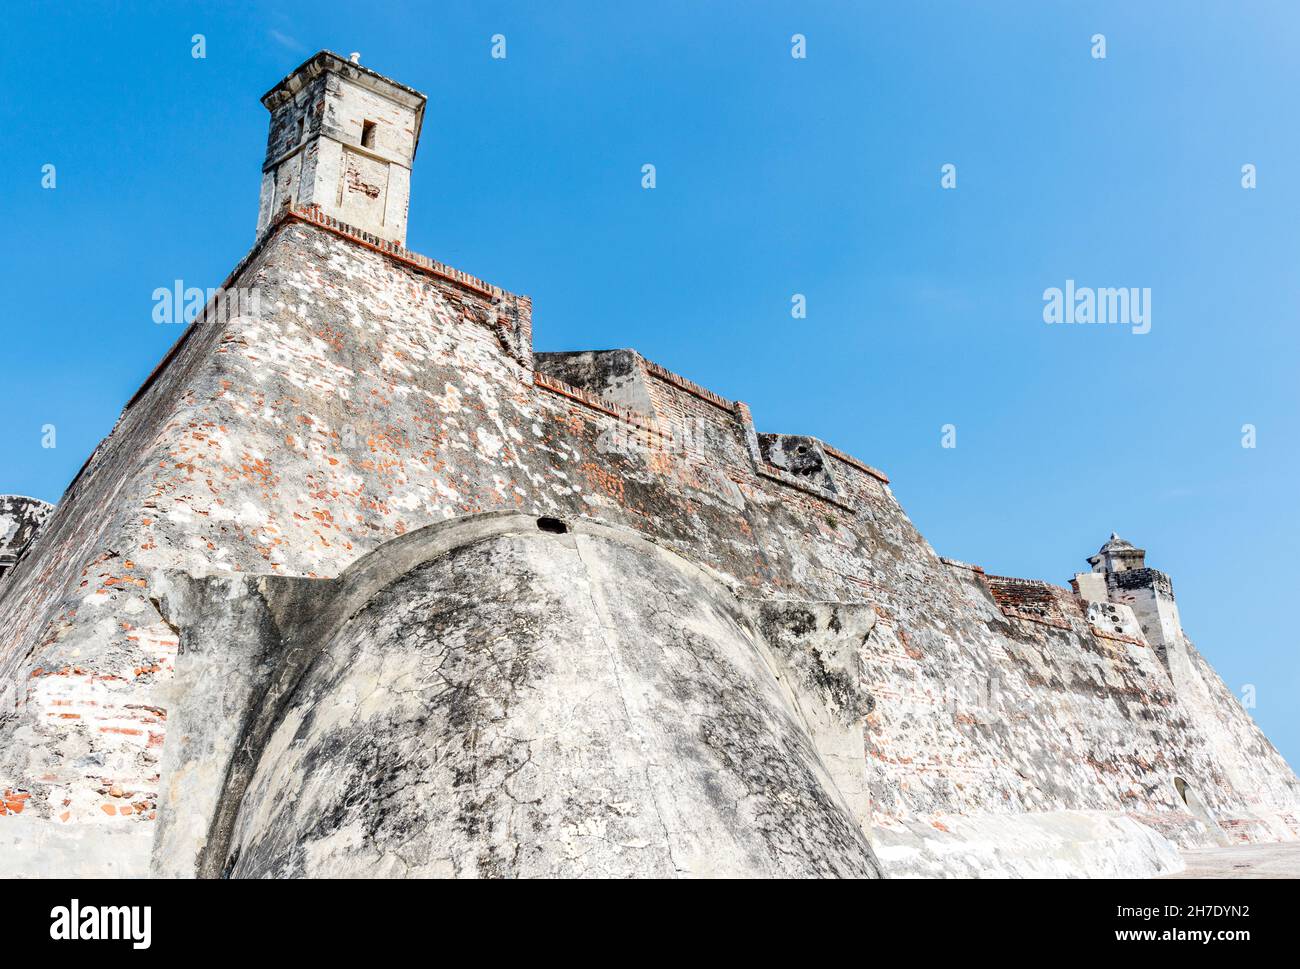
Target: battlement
column 622, row 383
column 341, row 145
column 315, row 215
column 683, row 415
column 667, row 410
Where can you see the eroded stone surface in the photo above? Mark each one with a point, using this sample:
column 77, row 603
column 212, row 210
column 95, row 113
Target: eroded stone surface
column 515, row 703
column 21, row 519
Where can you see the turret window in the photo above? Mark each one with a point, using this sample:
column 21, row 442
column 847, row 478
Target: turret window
column 368, row 134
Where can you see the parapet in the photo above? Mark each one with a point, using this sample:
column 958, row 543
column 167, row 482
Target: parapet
column 672, row 412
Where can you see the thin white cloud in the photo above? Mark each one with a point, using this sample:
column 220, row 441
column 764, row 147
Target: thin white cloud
column 284, row 40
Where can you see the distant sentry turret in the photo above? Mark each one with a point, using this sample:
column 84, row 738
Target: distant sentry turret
column 1118, row 555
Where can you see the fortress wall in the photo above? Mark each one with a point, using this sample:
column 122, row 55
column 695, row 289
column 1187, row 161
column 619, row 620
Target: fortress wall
column 366, row 400
column 82, row 642
column 564, row 704
column 981, row 713
column 1047, row 714
column 1259, row 775
column 1095, row 682
column 707, row 423
column 1098, row 679
column 83, row 653
column 374, row 395
column 857, row 480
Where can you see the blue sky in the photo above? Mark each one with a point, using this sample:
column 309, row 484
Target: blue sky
column 775, row 176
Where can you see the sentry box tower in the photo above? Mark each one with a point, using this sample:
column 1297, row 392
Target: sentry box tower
column 342, row 138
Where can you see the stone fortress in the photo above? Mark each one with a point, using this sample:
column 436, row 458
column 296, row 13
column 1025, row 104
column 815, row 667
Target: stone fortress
column 362, row 585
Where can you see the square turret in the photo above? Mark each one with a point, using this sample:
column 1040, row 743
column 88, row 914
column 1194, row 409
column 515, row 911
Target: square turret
column 342, row 138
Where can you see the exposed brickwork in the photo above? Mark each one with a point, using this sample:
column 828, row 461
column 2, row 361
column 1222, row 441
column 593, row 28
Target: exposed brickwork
column 692, row 388
column 314, row 215
column 1028, row 599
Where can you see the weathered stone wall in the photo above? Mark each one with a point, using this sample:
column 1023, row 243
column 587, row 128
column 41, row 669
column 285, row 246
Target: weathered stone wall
column 378, row 393
column 1260, row 780
column 21, row 519
column 501, row 696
